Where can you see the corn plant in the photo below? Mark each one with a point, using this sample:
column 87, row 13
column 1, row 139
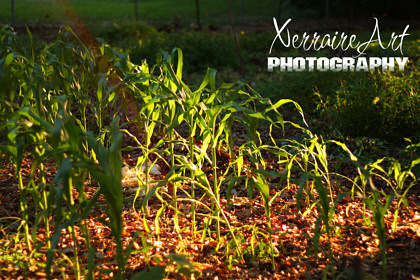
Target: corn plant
column 15, row 149
column 401, row 181
column 379, row 211
column 38, row 117
column 264, row 189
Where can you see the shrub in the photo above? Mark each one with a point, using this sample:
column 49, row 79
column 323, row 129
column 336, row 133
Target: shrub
column 124, row 33
column 378, row 104
column 201, row 49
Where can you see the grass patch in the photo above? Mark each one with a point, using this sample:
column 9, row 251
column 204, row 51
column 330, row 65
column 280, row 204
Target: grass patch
column 214, row 12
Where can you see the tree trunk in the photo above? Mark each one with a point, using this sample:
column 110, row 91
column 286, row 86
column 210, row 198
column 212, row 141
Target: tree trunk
column 197, row 12
column 136, row 10
column 327, row 8
column 238, row 51
column 242, row 12
column 13, row 13
column 279, row 10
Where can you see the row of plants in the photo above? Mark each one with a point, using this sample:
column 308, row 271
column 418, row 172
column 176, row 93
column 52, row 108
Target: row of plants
column 382, row 105
column 69, row 104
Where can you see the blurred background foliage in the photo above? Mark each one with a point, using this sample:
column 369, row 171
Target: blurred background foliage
column 212, row 12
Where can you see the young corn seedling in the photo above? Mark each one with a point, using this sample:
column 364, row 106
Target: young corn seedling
column 259, row 182
column 15, row 148
column 379, row 211
column 398, row 179
column 180, row 109
column 109, row 178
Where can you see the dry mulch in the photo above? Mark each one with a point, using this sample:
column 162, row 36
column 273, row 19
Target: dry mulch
column 354, row 245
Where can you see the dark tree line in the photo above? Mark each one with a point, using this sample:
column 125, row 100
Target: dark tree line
column 401, row 9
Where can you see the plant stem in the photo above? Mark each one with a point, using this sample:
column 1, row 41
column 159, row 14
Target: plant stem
column 238, row 248
column 146, row 171
column 45, row 203
column 192, row 177
column 175, row 188
column 273, row 264
column 24, row 209
column 215, row 185
column 75, row 253
column 72, row 232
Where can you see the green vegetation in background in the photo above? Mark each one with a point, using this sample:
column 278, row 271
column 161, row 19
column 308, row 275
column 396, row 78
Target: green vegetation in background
column 379, row 105
column 211, row 12
column 52, row 11
column 202, row 50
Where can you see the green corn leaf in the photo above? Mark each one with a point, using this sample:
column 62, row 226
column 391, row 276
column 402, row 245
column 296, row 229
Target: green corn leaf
column 239, row 163
column 210, row 78
column 305, row 177
column 180, row 62
column 9, row 59
column 211, row 98
column 176, row 121
column 90, row 263
column 158, row 217
column 185, row 266
column 156, row 273
column 263, row 187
